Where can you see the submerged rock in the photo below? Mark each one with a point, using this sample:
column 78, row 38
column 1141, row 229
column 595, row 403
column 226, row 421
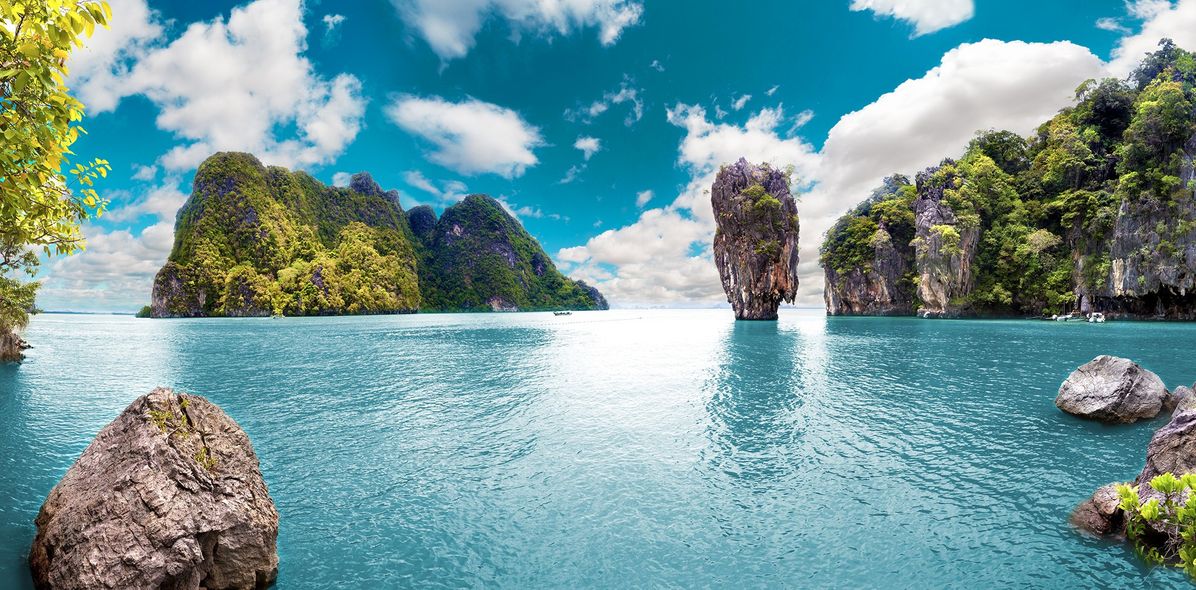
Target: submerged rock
column 755, row 246
column 1112, row 390
column 169, row 495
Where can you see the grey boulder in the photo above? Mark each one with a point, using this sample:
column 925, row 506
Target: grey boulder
column 1112, row 390
column 169, row 495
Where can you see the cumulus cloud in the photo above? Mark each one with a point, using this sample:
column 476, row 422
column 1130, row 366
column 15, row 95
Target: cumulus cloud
column 226, row 84
column 642, row 198
column 115, row 272
column 588, row 146
column 739, row 103
column 341, row 179
column 450, row 26
column 1162, row 19
column 99, row 71
column 161, row 201
column 471, row 137
column 665, row 255
column 927, row 16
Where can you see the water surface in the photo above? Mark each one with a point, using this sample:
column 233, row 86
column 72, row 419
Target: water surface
column 623, row 448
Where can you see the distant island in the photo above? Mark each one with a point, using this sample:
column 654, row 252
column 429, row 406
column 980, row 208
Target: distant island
column 1094, row 212
column 253, row 240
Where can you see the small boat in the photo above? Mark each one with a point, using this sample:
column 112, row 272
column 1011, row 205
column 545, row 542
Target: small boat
column 1096, row 317
column 562, row 313
column 1071, row 317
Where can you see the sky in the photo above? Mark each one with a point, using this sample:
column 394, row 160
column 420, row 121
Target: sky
column 598, row 123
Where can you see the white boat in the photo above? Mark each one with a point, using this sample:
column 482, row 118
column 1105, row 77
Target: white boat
column 1096, row 317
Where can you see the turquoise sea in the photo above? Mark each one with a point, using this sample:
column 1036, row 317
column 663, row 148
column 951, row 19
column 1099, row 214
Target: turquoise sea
column 624, row 448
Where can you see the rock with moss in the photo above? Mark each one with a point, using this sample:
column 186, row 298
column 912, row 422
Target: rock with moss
column 755, row 245
column 169, row 495
column 1093, row 212
column 480, row 258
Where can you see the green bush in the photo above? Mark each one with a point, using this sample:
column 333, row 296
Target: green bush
column 1163, row 530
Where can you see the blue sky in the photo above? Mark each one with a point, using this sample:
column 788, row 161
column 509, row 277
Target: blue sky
column 598, row 122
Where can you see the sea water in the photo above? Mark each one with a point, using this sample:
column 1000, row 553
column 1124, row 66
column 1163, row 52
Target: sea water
column 624, row 448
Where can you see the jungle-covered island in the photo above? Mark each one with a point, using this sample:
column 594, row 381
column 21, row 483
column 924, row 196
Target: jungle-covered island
column 1094, row 212
column 254, row 240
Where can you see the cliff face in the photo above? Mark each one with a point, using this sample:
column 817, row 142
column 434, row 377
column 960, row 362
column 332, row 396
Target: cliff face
column 479, row 258
column 255, row 240
column 1094, row 212
column 868, row 257
column 944, row 247
column 755, row 246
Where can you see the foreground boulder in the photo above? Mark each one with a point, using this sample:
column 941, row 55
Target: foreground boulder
column 169, row 495
column 755, row 246
column 1112, row 390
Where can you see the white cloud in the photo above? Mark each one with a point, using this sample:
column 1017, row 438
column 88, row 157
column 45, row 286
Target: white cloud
column 115, row 272
column 161, row 201
column 627, row 93
column 341, row 179
column 145, row 172
column 773, row 90
column 332, row 21
column 225, row 84
column 642, row 198
column 927, row 16
column 99, row 71
column 572, row 173
column 739, row 103
column 801, row 119
column 989, row 84
column 449, row 26
column 1147, row 9
column 588, row 146
column 656, row 65
column 1111, row 24
column 471, row 136
column 1163, row 19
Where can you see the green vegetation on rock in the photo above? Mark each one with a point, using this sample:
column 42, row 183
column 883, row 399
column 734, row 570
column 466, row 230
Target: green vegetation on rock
column 1096, row 210
column 255, row 241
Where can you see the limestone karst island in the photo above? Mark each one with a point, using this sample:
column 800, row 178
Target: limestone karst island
column 597, row 294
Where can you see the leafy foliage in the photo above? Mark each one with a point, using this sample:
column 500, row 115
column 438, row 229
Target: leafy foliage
column 1163, row 528
column 41, row 207
column 1046, row 206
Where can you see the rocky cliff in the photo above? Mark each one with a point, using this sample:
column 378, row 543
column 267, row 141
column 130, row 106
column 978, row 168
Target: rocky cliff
column 255, row 240
column 477, row 257
column 1094, row 212
column 869, row 255
column 755, row 245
